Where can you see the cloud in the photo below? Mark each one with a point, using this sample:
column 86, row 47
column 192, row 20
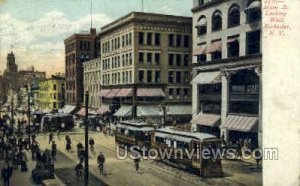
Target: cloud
column 40, row 42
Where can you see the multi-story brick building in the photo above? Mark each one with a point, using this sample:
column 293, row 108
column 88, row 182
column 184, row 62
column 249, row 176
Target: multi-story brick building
column 149, row 53
column 51, row 94
column 78, row 49
column 227, row 61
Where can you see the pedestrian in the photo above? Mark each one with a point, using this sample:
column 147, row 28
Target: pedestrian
column 101, row 161
column 137, row 163
column 92, row 143
column 6, row 174
column 53, row 149
column 68, row 145
column 79, row 170
column 50, row 137
column 58, row 134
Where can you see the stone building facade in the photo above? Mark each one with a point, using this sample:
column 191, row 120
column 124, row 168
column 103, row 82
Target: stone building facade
column 150, row 53
column 227, row 60
column 92, row 81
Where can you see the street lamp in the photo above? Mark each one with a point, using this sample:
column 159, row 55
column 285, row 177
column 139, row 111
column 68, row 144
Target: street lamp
column 86, row 144
column 28, row 113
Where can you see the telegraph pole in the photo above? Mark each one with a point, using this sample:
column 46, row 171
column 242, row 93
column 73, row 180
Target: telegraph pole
column 86, row 144
column 28, row 113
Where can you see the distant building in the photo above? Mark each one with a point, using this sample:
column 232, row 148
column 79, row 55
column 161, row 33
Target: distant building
column 147, row 56
column 29, row 76
column 92, row 81
column 227, row 69
column 11, row 73
column 78, row 49
column 51, row 93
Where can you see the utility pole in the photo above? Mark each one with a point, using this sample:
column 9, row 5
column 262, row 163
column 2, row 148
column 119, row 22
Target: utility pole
column 12, row 110
column 86, row 144
column 28, row 113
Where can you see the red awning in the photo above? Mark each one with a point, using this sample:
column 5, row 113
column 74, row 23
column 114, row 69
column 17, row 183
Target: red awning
column 150, row 92
column 112, row 93
column 103, row 92
column 215, row 46
column 103, row 109
column 81, row 112
column 240, row 123
column 211, row 120
column 125, row 92
column 200, row 50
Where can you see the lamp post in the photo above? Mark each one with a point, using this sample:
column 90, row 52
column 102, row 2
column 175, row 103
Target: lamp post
column 86, row 157
column 12, row 110
column 28, row 113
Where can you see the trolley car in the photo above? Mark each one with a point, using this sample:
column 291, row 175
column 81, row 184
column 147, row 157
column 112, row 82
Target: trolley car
column 52, row 122
column 186, row 150
column 129, row 133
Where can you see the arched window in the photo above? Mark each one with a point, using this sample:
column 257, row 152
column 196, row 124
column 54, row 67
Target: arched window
column 201, row 25
column 216, row 21
column 253, row 11
column 233, row 16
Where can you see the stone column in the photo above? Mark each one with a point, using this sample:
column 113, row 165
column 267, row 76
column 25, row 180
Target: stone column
column 260, row 128
column 225, row 102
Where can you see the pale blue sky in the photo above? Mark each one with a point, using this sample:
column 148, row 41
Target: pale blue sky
column 35, row 29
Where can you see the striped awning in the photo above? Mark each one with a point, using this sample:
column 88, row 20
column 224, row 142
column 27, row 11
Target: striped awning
column 215, row 46
column 241, row 123
column 81, row 112
column 211, row 120
column 104, row 92
column 150, row 92
column 200, row 50
column 125, row 92
column 112, row 93
column 103, row 109
column 208, row 78
column 124, row 110
column 149, row 110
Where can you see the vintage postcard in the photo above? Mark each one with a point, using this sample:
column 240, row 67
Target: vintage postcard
column 149, row 92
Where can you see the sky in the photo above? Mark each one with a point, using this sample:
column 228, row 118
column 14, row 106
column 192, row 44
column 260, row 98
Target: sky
column 35, row 29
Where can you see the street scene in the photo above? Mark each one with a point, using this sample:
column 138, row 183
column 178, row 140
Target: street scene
column 140, row 96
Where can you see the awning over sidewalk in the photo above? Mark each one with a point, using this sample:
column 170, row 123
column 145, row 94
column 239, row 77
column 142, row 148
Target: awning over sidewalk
column 200, row 50
column 104, row 92
column 208, row 78
column 68, row 109
column 125, row 92
column 150, row 92
column 102, row 110
column 241, row 123
column 112, row 93
column 211, row 120
column 81, row 112
column 215, row 46
column 124, row 110
column 149, row 110
column 179, row 110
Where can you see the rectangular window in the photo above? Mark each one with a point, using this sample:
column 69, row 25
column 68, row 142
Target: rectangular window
column 141, row 57
column 186, row 42
column 216, row 55
column 157, row 39
column 186, row 77
column 178, row 40
column 171, row 59
column 149, row 38
column 157, row 58
column 126, row 59
column 201, row 58
column 253, row 42
column 126, row 38
column 186, row 60
column 178, row 59
column 171, row 38
column 233, row 48
column 185, row 93
column 130, row 59
column 170, row 93
column 123, row 60
column 157, row 76
column 123, row 41
column 178, row 93
column 141, row 38
column 171, row 76
column 54, row 87
column 141, row 76
column 149, row 58
column 130, row 38
column 178, row 77
column 149, row 76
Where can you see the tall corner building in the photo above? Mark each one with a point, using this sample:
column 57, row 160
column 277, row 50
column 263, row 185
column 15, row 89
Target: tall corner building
column 227, row 66
column 79, row 48
column 150, row 53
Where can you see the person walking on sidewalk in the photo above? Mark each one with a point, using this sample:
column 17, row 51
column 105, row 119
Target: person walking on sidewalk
column 92, row 143
column 68, row 141
column 79, row 170
column 6, row 174
column 50, row 137
column 137, row 161
column 101, row 161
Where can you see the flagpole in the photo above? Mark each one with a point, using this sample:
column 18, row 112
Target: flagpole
column 91, row 9
column 142, row 5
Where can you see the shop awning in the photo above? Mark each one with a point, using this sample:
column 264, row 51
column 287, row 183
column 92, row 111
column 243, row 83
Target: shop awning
column 124, row 110
column 68, row 109
column 211, row 120
column 81, row 112
column 150, row 92
column 215, row 46
column 253, row 6
column 149, row 110
column 102, row 110
column 241, row 123
column 112, row 93
column 200, row 50
column 104, row 92
column 125, row 92
column 207, row 78
column 179, row 110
